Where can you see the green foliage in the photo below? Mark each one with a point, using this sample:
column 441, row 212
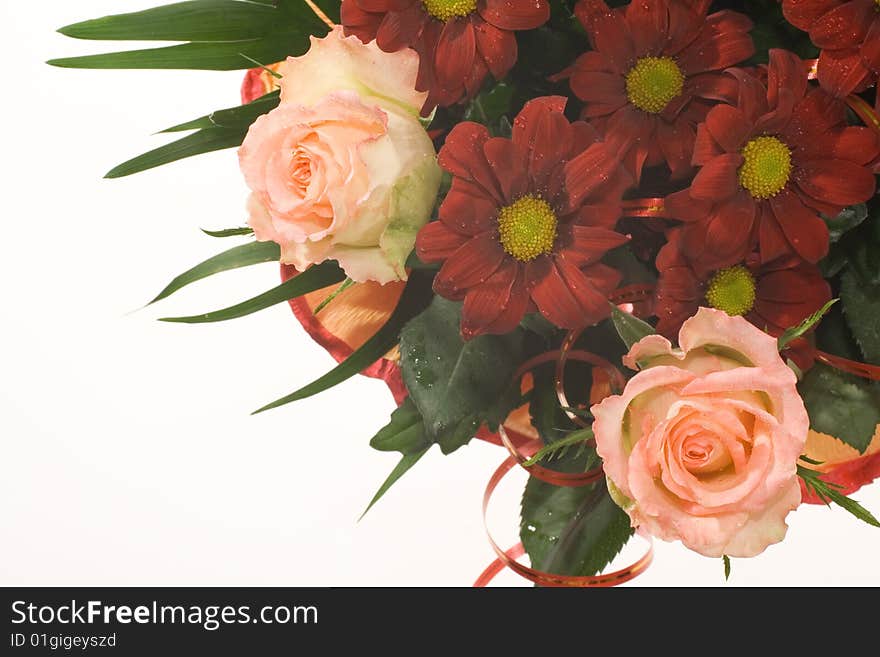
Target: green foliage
column 242, row 255
column 413, row 300
column 571, row 530
column 841, row 405
column 795, row 332
column 561, row 448
column 216, row 40
column 829, row 492
column 457, row 385
column 492, row 108
column 630, row 328
column 239, row 117
column 847, row 220
column 314, row 278
column 726, row 561
column 861, row 307
column 228, row 232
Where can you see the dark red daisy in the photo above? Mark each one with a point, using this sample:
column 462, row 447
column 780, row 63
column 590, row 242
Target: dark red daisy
column 654, row 71
column 848, row 32
column 458, row 41
column 770, row 165
column 774, row 296
column 526, row 222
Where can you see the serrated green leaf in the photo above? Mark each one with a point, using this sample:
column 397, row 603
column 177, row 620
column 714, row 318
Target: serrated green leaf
column 841, row 405
column 234, row 117
column 415, row 296
column 404, row 433
column 228, row 232
column 795, row 332
column 314, row 278
column 848, row 219
column 402, row 467
column 630, row 328
column 199, row 20
column 561, row 445
column 829, row 492
column 571, row 530
column 242, row 255
column 861, row 308
column 449, row 379
column 203, row 141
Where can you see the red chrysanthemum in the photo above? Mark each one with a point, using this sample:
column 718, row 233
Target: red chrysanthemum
column 773, row 296
column 526, row 222
column 848, row 32
column 458, row 41
column 654, row 71
column 770, row 165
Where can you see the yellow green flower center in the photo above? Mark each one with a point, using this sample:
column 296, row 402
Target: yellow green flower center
column 445, row 10
column 653, row 82
column 732, row 290
column 767, row 167
column 527, row 228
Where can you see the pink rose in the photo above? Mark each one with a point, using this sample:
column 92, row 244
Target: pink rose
column 343, row 169
column 702, row 445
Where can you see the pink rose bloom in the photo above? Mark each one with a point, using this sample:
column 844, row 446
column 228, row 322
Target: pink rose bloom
column 343, row 169
column 702, row 446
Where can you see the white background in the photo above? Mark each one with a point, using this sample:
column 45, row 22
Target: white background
column 128, row 453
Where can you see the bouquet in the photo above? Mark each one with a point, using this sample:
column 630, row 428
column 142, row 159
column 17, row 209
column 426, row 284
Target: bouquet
column 635, row 244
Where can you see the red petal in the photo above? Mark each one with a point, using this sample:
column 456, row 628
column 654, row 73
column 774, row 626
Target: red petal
column 588, row 172
column 486, row 301
column 456, row 50
column 497, row 47
column 842, row 71
column 517, row 305
column 509, row 164
column 593, row 303
column 771, row 240
column 400, row 29
column 599, row 215
column 845, row 26
column 724, row 237
column 436, row 242
column 568, row 300
column 717, row 180
column 676, row 141
column 608, row 89
column 786, row 71
column 803, row 13
column 715, row 52
column 467, row 210
column 804, row 230
column 681, row 206
column 870, row 51
column 551, row 148
column 818, row 112
column 381, row 6
column 586, row 245
column 786, row 297
column 649, row 26
column 608, row 32
column 705, row 146
column 752, row 97
column 729, row 127
column 839, row 182
column 470, row 265
column 712, row 86
column 525, row 125
column 358, row 22
column 462, row 156
column 513, row 15
column 685, row 25
column 857, row 144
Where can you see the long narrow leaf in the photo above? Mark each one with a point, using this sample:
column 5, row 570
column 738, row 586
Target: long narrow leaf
column 203, row 141
column 313, row 278
column 242, row 255
column 233, row 117
column 199, row 20
column 405, row 463
column 414, row 299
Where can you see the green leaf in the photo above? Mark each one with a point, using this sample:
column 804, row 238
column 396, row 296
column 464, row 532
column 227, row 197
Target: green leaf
column 242, row 255
column 572, row 530
column 203, row 141
column 228, row 232
column 829, row 492
column 240, row 117
column 404, row 433
column 861, row 307
column 405, row 463
column 841, row 405
column 346, row 283
column 451, row 380
column 202, row 20
column 313, row 278
column 630, row 328
column 726, row 561
column 795, row 332
column 848, row 219
column 413, row 300
column 554, row 448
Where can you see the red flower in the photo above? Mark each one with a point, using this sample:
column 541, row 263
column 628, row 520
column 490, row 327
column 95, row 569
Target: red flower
column 773, row 296
column 655, row 70
column 526, row 221
column 770, row 165
column 848, row 31
column 458, row 41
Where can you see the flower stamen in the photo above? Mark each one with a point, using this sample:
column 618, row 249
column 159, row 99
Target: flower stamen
column 445, row 10
column 767, row 167
column 732, row 290
column 653, row 82
column 527, row 228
